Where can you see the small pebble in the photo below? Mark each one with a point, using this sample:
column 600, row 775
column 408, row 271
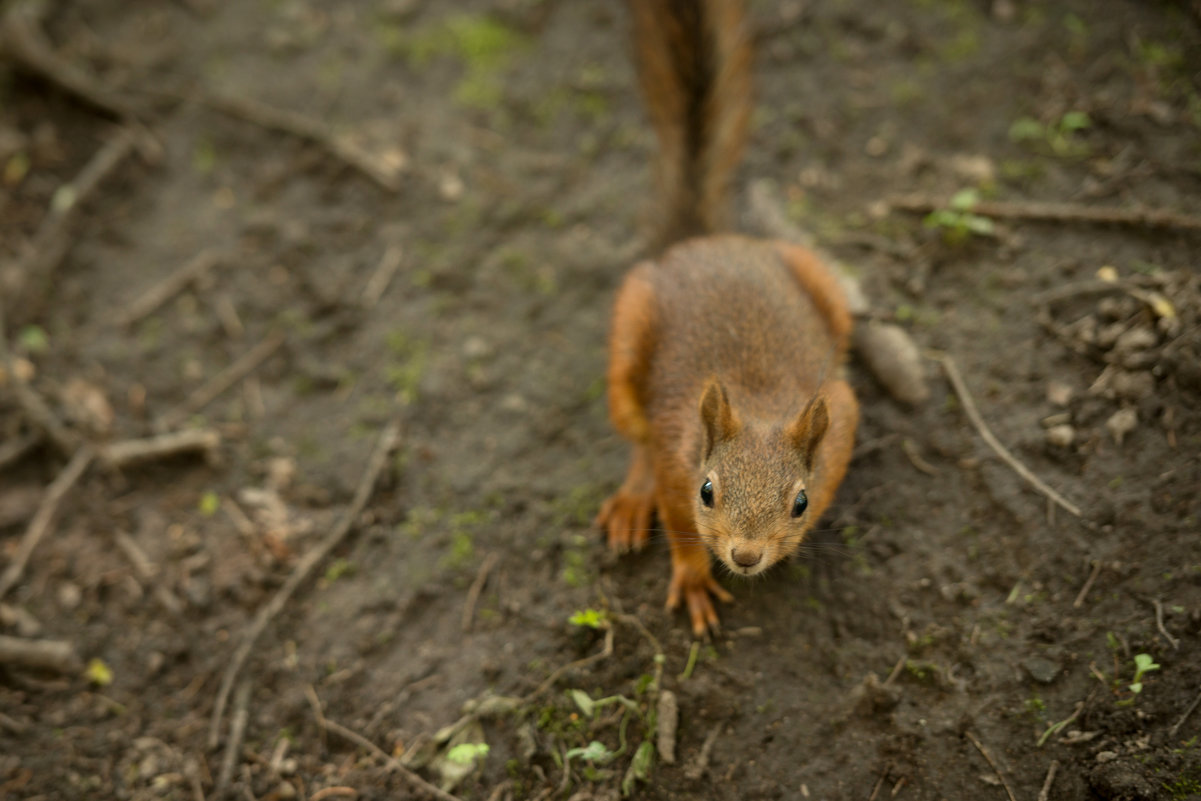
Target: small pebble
column 1061, row 436
column 1122, row 423
column 69, row 595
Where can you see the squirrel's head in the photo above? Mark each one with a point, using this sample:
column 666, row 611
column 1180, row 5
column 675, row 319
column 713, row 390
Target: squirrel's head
column 751, row 506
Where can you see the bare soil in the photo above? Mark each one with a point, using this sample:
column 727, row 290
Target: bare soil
column 949, row 633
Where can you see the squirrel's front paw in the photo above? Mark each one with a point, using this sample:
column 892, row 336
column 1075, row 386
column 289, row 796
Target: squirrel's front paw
column 626, row 519
column 695, row 588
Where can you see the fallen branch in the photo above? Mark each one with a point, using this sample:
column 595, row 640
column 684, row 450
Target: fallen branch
column 243, row 366
column 44, row 517
column 36, row 410
column 988, row 758
column 25, row 43
column 378, row 283
column 969, row 407
column 169, row 287
column 477, row 586
column 55, row 655
column 1052, row 769
column 237, row 732
column 1175, row 643
column 375, row 465
column 392, row 764
column 1058, row 212
column 34, row 272
column 1176, row 726
column 173, row 443
column 146, row 572
column 302, row 127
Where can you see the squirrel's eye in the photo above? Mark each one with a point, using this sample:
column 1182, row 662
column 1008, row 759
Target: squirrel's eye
column 707, row 494
column 799, row 505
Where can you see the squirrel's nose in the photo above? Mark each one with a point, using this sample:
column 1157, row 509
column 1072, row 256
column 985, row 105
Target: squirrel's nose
column 746, row 556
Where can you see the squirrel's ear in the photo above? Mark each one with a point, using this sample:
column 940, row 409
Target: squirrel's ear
column 809, row 428
column 718, row 416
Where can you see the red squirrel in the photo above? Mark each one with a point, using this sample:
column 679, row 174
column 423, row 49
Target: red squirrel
column 724, row 351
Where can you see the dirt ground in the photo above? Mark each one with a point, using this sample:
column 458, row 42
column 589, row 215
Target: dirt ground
column 950, row 633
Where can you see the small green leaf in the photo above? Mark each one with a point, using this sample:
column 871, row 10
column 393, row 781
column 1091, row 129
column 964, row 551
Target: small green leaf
column 467, row 753
column 33, row 338
column 98, row 673
column 591, row 618
column 1137, row 687
column 1145, row 663
column 640, row 767
column 595, row 751
column 1075, row 121
column 1026, row 129
column 964, row 199
column 210, row 502
column 583, row 701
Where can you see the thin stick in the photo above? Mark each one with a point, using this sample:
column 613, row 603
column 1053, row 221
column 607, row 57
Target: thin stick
column 1159, row 623
column 1088, row 584
column 375, row 465
column 699, row 765
column 477, row 586
column 35, row 271
column 550, row 680
column 44, row 516
column 378, row 283
column 35, row 408
column 15, row 450
column 1060, row 212
column 169, row 287
column 392, row 763
column 988, row 758
column 21, row 33
column 969, row 407
column 896, row 670
column 237, row 731
column 1052, row 769
column 132, row 451
column 916, row 459
column 303, row 127
column 315, row 704
column 243, row 366
column 879, row 783
column 146, row 572
column 1176, row 727
column 56, row 655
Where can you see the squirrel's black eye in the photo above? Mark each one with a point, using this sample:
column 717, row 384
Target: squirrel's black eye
column 799, row 505
column 707, row 494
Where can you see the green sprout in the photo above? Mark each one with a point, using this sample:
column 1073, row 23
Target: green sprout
column 957, row 221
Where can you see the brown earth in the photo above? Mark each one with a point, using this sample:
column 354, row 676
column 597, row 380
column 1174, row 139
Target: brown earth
column 949, row 634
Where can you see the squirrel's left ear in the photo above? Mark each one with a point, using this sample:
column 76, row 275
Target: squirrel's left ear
column 808, row 429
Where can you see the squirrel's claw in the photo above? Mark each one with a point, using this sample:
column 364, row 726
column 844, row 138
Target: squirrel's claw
column 626, row 520
column 695, row 590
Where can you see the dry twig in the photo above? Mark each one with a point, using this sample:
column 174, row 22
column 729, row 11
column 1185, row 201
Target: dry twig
column 969, row 407
column 1088, row 584
column 146, row 572
column 56, row 655
column 36, row 410
column 1159, row 623
column 169, row 287
column 988, row 758
column 23, row 41
column 300, row 126
column 698, row 766
column 1060, row 212
column 393, row 764
column 477, row 586
column 44, row 517
column 916, row 459
column 15, row 450
column 133, row 451
column 375, row 465
column 1052, row 769
column 1176, row 726
column 233, row 746
column 243, row 366
column 34, row 273
column 378, row 283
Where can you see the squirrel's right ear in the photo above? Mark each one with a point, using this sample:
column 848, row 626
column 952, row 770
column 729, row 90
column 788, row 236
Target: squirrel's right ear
column 718, row 416
column 809, row 428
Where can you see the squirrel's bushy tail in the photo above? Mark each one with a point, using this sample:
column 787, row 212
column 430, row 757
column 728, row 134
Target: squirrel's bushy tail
column 694, row 67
